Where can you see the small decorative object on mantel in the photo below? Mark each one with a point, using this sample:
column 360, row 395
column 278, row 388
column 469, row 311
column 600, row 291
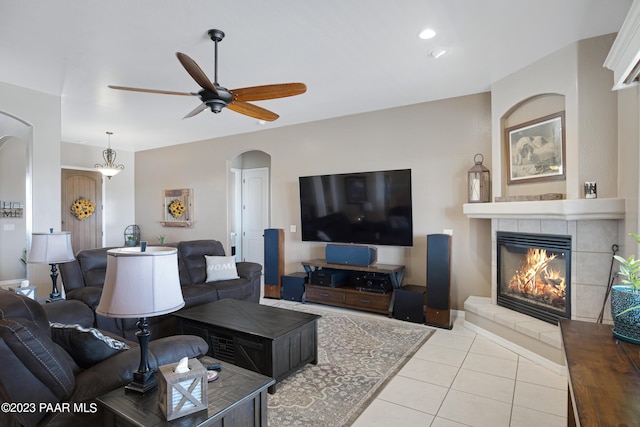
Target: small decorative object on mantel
column 177, row 208
column 479, row 182
column 83, row 208
column 590, row 190
column 182, row 388
column 625, row 299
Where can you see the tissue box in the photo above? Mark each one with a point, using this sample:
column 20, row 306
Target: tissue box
column 182, row 394
column 27, row 291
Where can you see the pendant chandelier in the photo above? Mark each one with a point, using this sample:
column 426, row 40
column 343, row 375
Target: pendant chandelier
column 109, row 168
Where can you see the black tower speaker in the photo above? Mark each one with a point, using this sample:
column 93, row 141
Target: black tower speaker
column 273, row 261
column 438, row 310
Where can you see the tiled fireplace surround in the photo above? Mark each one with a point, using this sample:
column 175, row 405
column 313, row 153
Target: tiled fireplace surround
column 594, row 226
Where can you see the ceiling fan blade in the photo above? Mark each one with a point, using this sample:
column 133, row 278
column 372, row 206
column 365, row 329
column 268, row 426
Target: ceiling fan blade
column 199, row 109
column 196, row 72
column 162, row 92
column 252, row 110
column 259, row 93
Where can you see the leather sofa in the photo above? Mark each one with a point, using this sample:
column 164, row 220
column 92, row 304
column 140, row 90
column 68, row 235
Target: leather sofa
column 84, row 277
column 41, row 382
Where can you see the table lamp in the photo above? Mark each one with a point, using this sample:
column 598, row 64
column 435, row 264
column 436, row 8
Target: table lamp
column 51, row 248
column 139, row 284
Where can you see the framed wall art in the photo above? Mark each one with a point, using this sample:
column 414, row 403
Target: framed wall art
column 177, row 208
column 536, row 150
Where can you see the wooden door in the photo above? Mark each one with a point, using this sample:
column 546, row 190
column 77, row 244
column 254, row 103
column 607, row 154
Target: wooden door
column 85, row 233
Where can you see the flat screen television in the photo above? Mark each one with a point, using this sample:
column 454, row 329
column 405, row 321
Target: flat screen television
column 364, row 208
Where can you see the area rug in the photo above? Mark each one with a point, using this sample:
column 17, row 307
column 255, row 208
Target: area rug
column 357, row 354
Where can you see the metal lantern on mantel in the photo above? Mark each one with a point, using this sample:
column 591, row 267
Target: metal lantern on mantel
column 479, row 182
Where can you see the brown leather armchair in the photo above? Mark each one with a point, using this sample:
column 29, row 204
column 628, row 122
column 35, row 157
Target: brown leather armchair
column 40, row 381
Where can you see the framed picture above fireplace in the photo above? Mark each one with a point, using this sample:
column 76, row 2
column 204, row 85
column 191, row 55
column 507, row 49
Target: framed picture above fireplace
column 536, row 150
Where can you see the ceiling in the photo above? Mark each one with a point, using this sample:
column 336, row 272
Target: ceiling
column 354, row 56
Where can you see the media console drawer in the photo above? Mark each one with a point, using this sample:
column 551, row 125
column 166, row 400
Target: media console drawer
column 349, row 297
column 368, row 300
column 324, row 294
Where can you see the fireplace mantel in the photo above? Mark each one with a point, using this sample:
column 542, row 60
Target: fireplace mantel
column 567, row 210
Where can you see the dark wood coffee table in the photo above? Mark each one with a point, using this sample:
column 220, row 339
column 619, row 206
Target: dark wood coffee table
column 238, row 397
column 272, row 341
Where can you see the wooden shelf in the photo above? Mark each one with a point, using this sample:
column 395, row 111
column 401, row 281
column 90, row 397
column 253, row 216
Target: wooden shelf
column 604, row 382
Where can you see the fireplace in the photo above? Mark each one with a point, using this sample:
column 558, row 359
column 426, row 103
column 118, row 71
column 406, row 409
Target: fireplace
column 534, row 274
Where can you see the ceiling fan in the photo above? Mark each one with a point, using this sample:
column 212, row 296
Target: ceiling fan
column 216, row 97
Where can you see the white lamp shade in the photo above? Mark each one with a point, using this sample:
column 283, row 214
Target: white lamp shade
column 141, row 284
column 109, row 172
column 50, row 248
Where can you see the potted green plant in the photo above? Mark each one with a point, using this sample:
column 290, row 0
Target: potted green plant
column 625, row 299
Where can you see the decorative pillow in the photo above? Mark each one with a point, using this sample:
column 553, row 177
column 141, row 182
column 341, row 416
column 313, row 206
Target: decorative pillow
column 39, row 354
column 87, row 346
column 221, row 268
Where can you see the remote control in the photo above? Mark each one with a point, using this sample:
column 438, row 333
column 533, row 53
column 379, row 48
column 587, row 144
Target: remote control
column 210, row 364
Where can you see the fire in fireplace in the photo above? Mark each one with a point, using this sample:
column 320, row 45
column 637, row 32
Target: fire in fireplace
column 534, row 274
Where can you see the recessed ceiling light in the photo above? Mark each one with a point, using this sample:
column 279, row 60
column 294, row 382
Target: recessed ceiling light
column 437, row 53
column 427, row 34
column 261, row 122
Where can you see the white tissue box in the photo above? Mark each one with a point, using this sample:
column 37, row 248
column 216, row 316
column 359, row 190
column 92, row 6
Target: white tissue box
column 27, row 291
column 184, row 393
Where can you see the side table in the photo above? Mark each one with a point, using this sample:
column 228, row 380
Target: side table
column 237, row 398
column 604, row 381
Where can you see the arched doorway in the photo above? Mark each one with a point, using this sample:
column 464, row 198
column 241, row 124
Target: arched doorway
column 249, row 204
column 15, row 186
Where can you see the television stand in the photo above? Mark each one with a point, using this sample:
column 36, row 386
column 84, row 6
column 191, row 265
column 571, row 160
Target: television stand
column 347, row 295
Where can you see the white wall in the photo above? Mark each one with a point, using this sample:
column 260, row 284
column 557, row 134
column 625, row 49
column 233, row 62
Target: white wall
column 628, row 159
column 42, row 112
column 13, row 236
column 437, row 140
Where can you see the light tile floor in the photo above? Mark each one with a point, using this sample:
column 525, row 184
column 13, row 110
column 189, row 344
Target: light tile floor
column 459, row 378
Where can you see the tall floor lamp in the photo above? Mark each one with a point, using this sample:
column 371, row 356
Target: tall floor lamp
column 139, row 284
column 51, row 248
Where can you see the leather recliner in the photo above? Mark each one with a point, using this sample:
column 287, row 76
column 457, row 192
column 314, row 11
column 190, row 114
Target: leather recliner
column 84, row 277
column 40, row 381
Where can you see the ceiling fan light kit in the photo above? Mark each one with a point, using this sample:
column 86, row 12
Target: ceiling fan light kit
column 216, row 97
